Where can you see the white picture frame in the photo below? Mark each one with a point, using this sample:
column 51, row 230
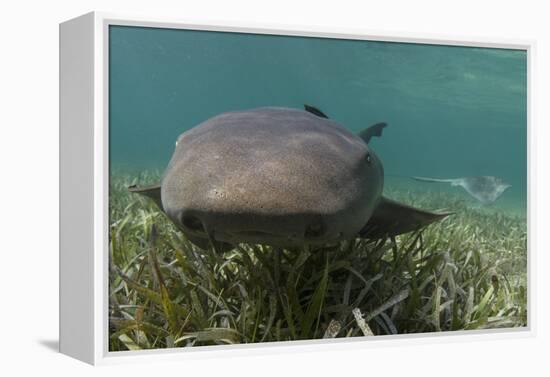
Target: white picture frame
column 84, row 190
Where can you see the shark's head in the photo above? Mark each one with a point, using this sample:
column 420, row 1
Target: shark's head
column 271, row 176
column 281, row 177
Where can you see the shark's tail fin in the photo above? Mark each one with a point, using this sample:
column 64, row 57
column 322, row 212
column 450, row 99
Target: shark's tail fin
column 426, row 179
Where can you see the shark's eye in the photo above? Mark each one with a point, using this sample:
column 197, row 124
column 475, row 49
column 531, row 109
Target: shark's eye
column 368, row 158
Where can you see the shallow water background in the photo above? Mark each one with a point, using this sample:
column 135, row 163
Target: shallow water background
column 452, row 111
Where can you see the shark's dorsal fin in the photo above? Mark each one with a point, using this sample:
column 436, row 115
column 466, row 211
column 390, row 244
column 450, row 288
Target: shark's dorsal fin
column 391, row 218
column 315, row 111
column 366, row 134
column 374, row 130
column 152, row 192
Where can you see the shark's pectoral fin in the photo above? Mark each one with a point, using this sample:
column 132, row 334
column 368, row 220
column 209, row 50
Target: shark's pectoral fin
column 391, row 218
column 315, row 111
column 374, row 130
column 152, row 192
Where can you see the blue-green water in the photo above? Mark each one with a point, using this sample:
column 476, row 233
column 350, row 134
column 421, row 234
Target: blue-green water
column 452, row 111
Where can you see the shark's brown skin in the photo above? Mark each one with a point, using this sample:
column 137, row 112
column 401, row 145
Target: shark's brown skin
column 279, row 176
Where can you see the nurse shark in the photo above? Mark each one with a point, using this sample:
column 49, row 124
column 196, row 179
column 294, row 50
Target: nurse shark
column 282, row 177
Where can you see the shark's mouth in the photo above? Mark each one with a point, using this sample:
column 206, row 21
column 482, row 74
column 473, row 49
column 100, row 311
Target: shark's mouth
column 313, row 231
column 256, row 233
column 196, row 225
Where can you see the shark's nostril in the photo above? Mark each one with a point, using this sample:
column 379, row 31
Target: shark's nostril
column 192, row 223
column 314, row 230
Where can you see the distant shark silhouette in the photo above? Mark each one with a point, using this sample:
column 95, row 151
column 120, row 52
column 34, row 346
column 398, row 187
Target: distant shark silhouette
column 486, row 189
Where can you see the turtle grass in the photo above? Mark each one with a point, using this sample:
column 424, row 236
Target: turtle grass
column 466, row 272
